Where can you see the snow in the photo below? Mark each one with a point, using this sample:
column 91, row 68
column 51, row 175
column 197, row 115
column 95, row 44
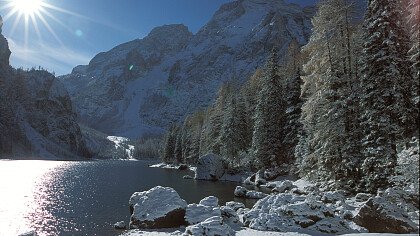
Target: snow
column 213, row 226
column 197, row 213
column 154, row 204
column 210, row 201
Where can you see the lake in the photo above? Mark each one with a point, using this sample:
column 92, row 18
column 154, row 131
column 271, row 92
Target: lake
column 85, row 198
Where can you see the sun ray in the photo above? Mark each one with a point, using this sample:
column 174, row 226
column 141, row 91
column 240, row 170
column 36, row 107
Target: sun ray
column 47, row 25
column 16, row 22
column 45, row 12
column 10, row 14
column 35, row 23
column 26, row 32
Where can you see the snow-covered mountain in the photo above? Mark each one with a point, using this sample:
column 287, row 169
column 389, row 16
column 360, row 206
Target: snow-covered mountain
column 37, row 119
column 142, row 86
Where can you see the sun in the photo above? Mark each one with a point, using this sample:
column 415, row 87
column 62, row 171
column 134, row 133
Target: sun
column 27, row 7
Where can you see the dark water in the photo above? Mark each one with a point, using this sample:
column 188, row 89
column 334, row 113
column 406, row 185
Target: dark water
column 85, row 198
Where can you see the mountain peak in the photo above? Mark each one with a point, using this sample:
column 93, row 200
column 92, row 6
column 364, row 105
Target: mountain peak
column 169, row 30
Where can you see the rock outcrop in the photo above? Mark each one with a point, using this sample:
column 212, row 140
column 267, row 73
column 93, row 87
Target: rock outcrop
column 37, row 117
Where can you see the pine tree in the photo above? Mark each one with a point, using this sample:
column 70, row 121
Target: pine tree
column 234, row 130
column 269, row 118
column 386, row 97
column 414, row 53
column 169, row 148
column 331, row 148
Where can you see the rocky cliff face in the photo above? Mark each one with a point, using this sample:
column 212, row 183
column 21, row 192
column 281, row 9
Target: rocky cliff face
column 37, row 118
column 144, row 85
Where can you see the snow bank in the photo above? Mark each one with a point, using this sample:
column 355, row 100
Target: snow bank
column 160, row 207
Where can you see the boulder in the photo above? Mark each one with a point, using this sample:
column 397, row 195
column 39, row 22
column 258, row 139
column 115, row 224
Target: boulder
column 230, row 217
column 211, row 201
column 120, row 225
column 290, row 213
column 381, row 216
column 235, row 205
column 255, row 195
column 259, row 178
column 210, row 167
column 213, row 226
column 197, row 213
column 240, row 191
column 160, row 207
column 283, row 186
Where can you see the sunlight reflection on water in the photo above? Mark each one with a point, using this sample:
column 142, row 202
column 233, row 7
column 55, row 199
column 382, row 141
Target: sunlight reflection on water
column 23, row 205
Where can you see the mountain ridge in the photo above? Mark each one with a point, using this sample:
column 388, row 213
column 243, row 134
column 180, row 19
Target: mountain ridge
column 141, row 87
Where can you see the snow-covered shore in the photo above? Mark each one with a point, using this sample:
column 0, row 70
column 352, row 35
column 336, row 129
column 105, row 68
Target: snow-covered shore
column 302, row 209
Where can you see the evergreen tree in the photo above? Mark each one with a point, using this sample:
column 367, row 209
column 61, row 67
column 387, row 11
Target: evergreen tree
column 269, row 118
column 386, row 96
column 331, row 152
column 234, row 130
column 169, row 145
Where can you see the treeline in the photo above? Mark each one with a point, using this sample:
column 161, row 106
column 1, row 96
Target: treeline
column 334, row 111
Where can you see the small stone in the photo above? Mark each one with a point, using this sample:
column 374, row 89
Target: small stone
column 187, row 177
column 120, row 225
column 240, row 191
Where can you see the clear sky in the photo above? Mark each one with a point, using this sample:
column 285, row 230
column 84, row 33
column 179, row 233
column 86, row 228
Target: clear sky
column 71, row 32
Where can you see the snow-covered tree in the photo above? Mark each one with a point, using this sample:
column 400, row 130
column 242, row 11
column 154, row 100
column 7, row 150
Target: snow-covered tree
column 269, row 117
column 386, row 100
column 328, row 113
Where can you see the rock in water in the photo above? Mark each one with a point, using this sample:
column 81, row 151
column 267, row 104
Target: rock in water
column 380, row 216
column 240, row 191
column 210, row 167
column 120, row 225
column 160, row 207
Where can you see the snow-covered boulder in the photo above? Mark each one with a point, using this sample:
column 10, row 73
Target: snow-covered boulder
column 332, row 197
column 259, row 178
column 245, row 193
column 210, row 167
column 235, row 205
column 213, row 226
column 120, row 225
column 379, row 215
column 283, row 186
column 230, row 217
column 211, row 201
column 197, row 213
column 288, row 212
column 363, row 197
column 240, row 191
column 160, row 207
column 255, row 195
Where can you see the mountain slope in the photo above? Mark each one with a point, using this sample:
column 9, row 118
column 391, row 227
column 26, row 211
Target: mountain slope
column 37, row 117
column 142, row 86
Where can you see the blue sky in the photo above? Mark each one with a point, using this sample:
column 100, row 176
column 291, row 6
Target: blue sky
column 79, row 29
